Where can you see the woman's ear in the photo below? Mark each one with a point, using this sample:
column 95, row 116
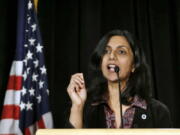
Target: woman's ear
column 133, row 69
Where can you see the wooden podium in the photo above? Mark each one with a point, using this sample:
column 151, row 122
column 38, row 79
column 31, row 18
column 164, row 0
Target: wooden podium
column 108, row 132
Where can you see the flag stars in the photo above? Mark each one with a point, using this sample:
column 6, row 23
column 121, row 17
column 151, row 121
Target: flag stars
column 31, row 91
column 43, row 70
column 25, row 45
column 39, row 99
column 29, row 55
column 31, row 41
column 47, row 91
column 33, row 27
column 30, row 5
column 41, row 83
column 25, row 61
column 36, row 63
column 25, row 76
column 22, row 105
column 39, row 48
column 28, row 69
column 29, row 106
column 24, row 91
column 34, row 77
column 29, row 19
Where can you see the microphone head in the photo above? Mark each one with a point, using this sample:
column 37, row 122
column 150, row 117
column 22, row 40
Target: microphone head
column 116, row 69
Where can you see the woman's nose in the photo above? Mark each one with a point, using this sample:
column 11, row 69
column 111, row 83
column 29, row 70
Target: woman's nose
column 112, row 56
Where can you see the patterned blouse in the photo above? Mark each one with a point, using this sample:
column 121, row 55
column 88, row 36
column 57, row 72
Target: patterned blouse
column 128, row 115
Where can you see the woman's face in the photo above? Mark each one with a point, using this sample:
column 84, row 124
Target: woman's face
column 117, row 53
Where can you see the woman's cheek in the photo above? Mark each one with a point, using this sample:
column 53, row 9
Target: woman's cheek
column 125, row 66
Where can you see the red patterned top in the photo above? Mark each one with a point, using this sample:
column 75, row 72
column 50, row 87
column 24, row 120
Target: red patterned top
column 128, row 116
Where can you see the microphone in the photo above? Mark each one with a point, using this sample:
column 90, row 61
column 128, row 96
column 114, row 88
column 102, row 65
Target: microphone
column 117, row 69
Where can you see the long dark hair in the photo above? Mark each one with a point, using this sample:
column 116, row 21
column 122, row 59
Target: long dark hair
column 139, row 82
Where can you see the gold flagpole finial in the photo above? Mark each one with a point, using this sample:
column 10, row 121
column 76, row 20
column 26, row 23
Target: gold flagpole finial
column 36, row 4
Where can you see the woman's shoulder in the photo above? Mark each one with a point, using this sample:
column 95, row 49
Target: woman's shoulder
column 157, row 105
column 159, row 109
column 160, row 113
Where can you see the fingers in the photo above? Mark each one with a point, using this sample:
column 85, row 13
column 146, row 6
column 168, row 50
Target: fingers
column 78, row 76
column 76, row 83
column 77, row 80
column 76, row 89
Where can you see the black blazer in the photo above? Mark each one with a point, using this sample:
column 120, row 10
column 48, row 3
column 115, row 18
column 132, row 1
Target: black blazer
column 155, row 116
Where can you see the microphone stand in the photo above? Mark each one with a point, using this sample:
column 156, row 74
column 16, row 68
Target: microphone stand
column 119, row 86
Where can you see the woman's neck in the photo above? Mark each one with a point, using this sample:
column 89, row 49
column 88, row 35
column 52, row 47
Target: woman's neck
column 113, row 90
column 114, row 86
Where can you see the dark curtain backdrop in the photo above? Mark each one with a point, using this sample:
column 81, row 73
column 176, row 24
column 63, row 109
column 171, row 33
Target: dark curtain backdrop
column 71, row 29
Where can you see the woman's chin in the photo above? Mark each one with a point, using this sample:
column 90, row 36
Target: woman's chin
column 111, row 77
column 113, row 80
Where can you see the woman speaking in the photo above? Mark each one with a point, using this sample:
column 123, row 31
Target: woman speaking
column 119, row 93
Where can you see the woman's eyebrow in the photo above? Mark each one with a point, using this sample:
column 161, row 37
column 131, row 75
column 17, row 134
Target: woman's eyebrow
column 108, row 46
column 122, row 46
column 119, row 46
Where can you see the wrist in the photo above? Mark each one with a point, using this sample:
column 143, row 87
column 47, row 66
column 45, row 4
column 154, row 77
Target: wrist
column 77, row 108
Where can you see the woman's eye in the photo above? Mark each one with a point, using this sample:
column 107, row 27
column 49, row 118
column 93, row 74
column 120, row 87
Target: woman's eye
column 122, row 52
column 107, row 51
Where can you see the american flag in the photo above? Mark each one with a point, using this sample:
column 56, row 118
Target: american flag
column 26, row 105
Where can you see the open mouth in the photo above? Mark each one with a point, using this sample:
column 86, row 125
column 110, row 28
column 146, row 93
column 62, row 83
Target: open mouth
column 111, row 67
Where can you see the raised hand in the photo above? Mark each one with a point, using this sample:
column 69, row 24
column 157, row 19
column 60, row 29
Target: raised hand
column 77, row 90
